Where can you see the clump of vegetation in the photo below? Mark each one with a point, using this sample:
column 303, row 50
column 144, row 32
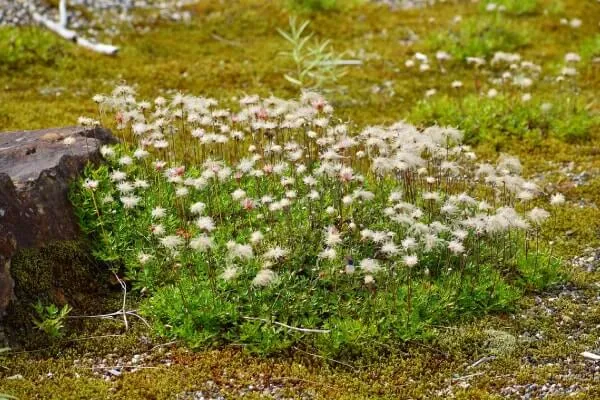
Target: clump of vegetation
column 275, row 225
column 494, row 119
column 515, row 7
column 22, row 47
column 315, row 63
column 590, row 48
column 51, row 319
column 480, row 37
column 323, row 5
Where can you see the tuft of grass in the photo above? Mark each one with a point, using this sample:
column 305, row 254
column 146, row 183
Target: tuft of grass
column 481, row 37
column 322, row 5
column 513, row 7
column 22, row 47
column 493, row 120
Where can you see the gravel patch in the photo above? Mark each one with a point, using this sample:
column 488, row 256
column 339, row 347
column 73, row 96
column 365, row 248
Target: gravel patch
column 589, row 260
column 106, row 13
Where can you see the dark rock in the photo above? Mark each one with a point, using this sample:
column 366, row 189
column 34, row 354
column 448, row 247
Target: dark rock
column 36, row 169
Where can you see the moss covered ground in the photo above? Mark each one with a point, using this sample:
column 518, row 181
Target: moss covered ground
column 231, row 49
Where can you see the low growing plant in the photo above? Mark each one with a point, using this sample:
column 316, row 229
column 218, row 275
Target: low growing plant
column 492, row 119
column 315, row 63
column 277, row 225
column 51, row 319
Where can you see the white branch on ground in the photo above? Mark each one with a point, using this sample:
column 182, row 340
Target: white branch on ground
column 307, row 330
column 62, row 12
column 60, row 28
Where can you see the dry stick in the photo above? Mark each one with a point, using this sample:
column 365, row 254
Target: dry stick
column 124, row 286
column 462, row 378
column 226, row 41
column 164, row 344
column 481, row 361
column 122, row 311
column 307, row 330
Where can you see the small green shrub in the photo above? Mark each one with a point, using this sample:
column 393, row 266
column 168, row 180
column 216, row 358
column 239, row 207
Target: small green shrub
column 315, row 63
column 590, row 48
column 51, row 319
column 322, row 5
column 273, row 227
column 480, row 37
column 22, row 47
column 514, row 7
column 485, row 119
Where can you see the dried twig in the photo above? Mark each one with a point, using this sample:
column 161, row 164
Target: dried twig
column 462, row 378
column 481, row 361
column 164, row 344
column 122, row 312
column 60, row 28
column 226, row 41
column 124, row 287
column 307, row 330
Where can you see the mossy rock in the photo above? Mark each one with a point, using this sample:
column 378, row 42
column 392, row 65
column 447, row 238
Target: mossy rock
column 63, row 272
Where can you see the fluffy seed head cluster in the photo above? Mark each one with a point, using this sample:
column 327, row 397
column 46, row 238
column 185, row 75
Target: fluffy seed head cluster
column 278, row 181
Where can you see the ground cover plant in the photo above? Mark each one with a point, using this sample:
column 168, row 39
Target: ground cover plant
column 514, row 77
column 274, row 224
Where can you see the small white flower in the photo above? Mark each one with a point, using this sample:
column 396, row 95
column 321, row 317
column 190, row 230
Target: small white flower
column 241, row 251
column 140, row 153
column 557, row 199
column 158, row 230
column 538, row 215
column 197, row 208
column 409, row 243
column 125, row 187
column 572, row 57
column 390, row 249
column 238, row 194
column 118, row 176
column 410, row 260
column 205, row 223
column 158, row 212
column 230, row 273
column 90, row 184
column 107, row 151
column 265, row 277
column 202, row 243
column 369, row 265
column 456, row 247
column 275, row 253
column 171, row 241
column 125, row 160
column 130, row 201
column 181, row 191
column 141, row 184
column 143, row 258
column 328, row 254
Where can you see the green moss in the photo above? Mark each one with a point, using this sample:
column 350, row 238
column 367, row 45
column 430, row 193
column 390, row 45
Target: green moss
column 46, row 81
column 60, row 273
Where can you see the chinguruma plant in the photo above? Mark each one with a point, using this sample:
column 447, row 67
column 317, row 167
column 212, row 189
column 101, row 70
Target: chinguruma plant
column 276, row 225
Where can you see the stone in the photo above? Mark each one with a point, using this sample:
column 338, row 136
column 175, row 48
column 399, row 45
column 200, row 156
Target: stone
column 36, row 170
